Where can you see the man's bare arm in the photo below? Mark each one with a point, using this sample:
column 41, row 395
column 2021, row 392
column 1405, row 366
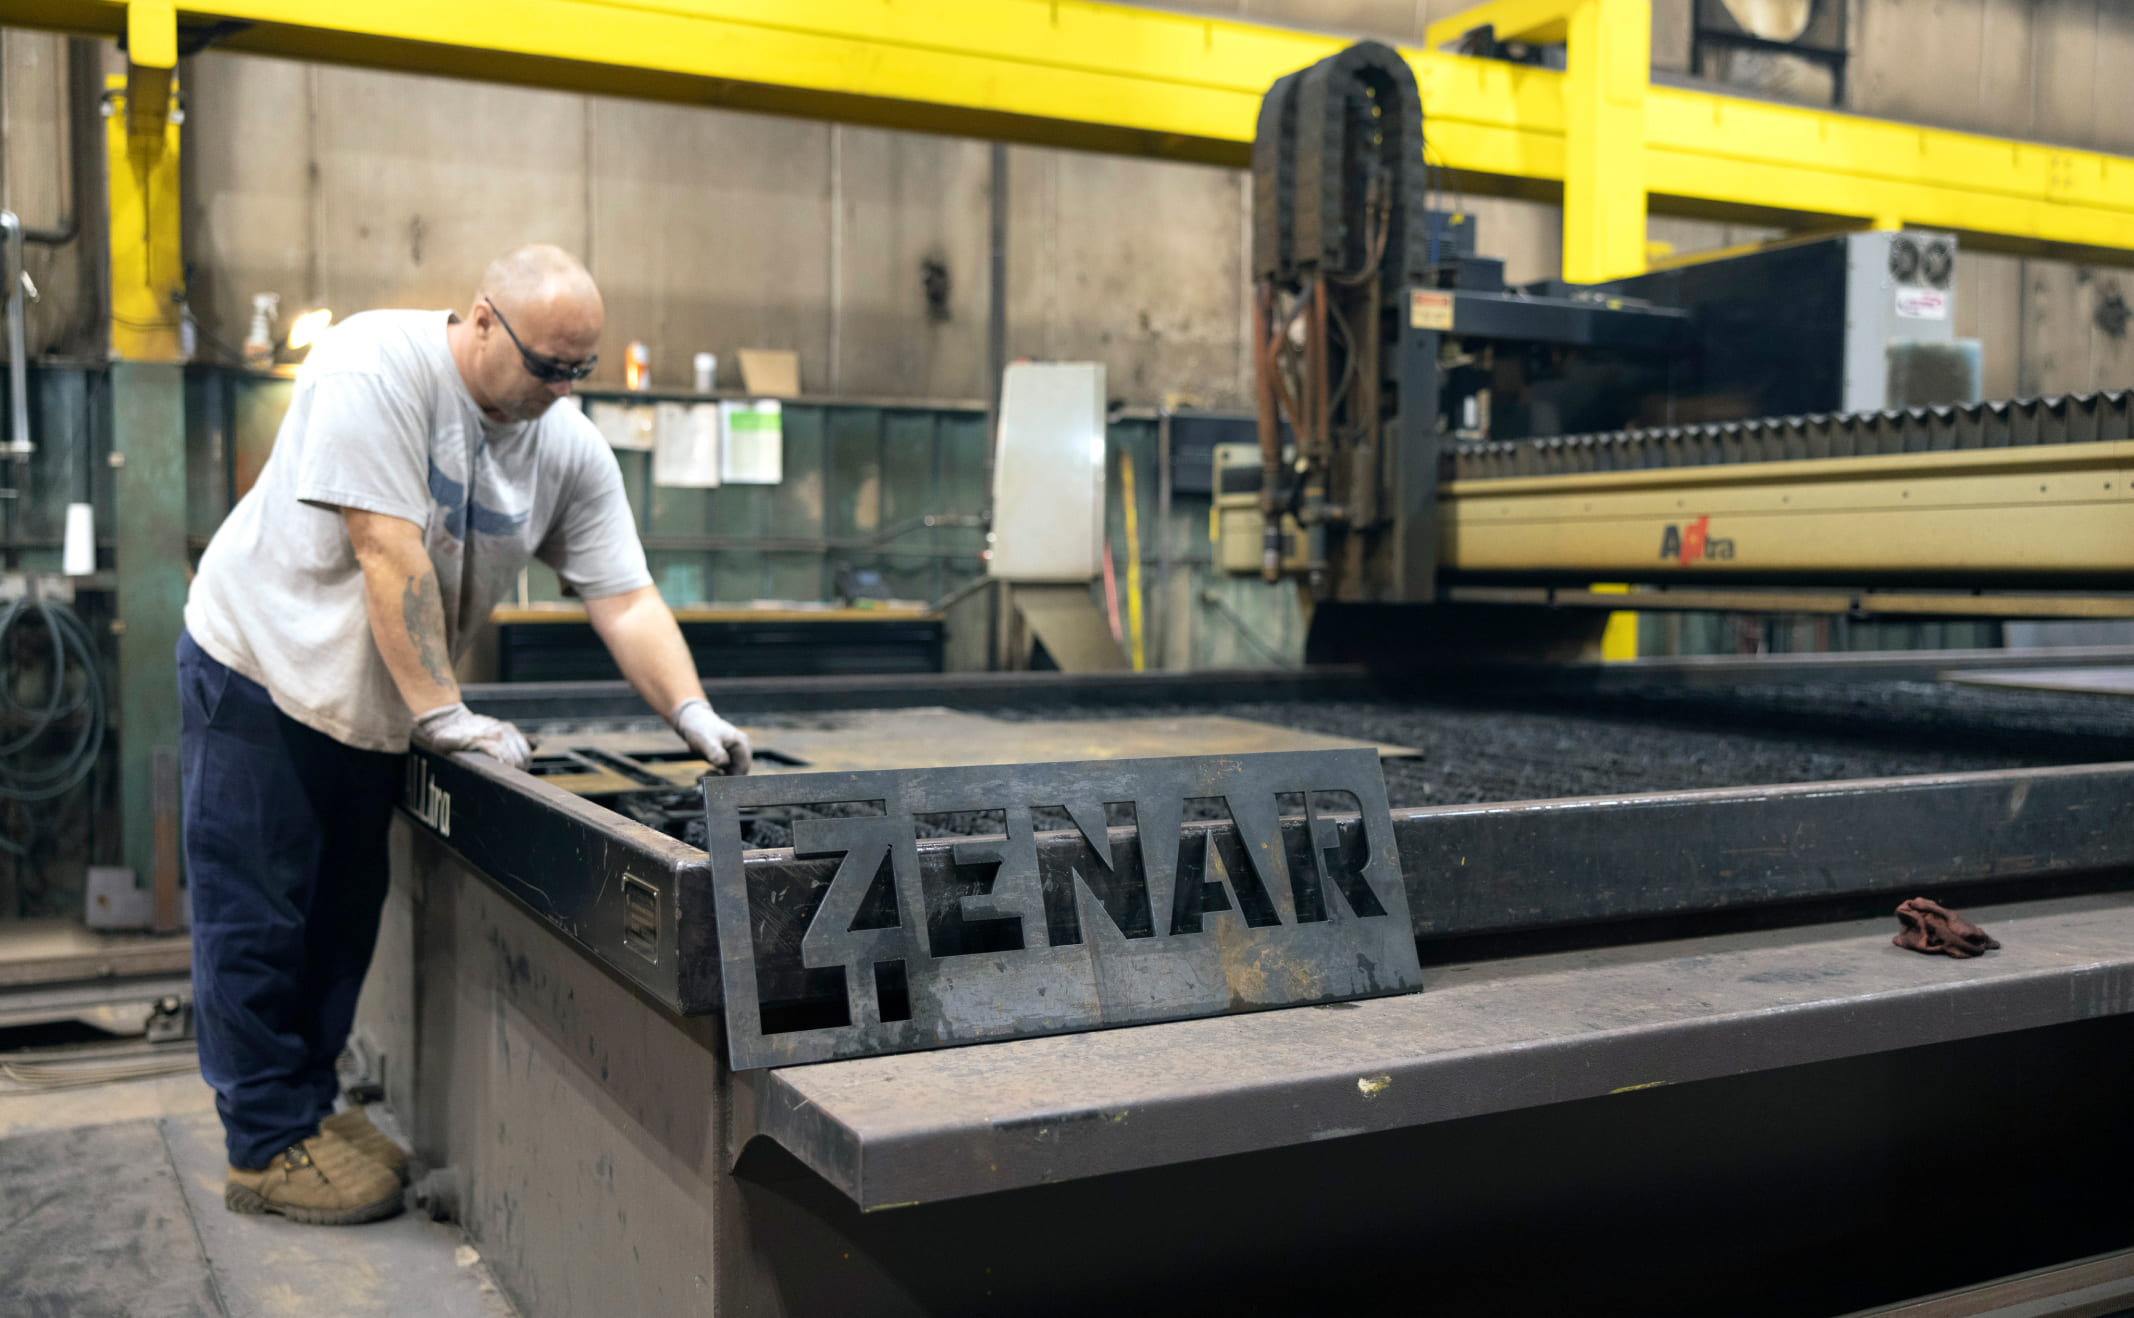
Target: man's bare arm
column 407, row 620
column 407, row 613
column 640, row 631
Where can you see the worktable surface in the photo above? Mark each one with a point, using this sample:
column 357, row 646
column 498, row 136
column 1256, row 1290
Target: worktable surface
column 1484, row 1037
column 516, row 615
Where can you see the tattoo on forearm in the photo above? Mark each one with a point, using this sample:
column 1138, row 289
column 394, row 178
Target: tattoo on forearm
column 423, row 610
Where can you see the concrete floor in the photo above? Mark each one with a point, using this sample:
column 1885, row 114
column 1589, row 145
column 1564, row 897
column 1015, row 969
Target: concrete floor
column 111, row 1203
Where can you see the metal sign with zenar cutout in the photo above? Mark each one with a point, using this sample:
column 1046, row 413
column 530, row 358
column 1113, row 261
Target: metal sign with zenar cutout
column 932, row 907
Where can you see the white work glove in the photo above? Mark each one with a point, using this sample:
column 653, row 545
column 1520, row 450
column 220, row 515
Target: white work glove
column 721, row 745
column 455, row 727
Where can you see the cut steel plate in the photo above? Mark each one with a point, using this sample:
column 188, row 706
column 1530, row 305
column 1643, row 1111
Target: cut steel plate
column 998, row 937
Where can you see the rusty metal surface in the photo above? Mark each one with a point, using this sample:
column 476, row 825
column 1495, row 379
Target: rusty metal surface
column 604, row 763
column 1481, row 1038
column 995, row 936
column 940, row 738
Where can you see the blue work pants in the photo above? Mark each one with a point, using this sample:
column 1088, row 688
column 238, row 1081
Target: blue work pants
column 286, row 856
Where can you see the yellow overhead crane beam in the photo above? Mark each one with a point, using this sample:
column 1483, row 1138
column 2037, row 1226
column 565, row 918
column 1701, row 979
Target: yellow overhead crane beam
column 1115, row 78
column 1608, row 52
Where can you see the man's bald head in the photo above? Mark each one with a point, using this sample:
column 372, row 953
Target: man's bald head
column 541, row 297
column 535, row 277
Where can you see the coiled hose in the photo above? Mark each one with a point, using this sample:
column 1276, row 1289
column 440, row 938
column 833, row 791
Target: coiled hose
column 30, row 771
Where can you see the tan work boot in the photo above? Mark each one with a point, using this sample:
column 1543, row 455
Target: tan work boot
column 355, row 1126
column 322, row 1181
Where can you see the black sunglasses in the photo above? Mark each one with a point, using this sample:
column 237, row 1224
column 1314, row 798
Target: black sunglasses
column 548, row 370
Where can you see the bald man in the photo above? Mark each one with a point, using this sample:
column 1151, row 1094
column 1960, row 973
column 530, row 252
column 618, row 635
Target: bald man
column 421, row 464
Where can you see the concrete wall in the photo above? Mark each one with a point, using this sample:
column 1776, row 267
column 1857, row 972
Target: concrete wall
column 709, row 230
column 37, row 184
column 714, row 230
column 2046, row 70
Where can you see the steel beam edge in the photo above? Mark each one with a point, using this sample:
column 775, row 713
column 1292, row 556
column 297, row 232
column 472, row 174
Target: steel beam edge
column 1523, row 866
column 566, row 860
column 918, row 1128
column 641, row 903
column 534, row 702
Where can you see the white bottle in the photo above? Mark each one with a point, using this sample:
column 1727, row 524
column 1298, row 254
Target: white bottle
column 77, row 555
column 259, row 344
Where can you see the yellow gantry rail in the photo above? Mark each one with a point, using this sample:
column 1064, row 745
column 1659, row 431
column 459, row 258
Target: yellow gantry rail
column 2058, row 513
column 1115, row 78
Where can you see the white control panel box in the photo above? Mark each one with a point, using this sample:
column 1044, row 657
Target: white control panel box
column 1048, row 473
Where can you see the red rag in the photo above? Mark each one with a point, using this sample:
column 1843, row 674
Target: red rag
column 1931, row 927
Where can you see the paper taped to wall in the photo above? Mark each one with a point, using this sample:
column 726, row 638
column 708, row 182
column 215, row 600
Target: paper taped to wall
column 685, row 450
column 754, row 442
column 624, row 426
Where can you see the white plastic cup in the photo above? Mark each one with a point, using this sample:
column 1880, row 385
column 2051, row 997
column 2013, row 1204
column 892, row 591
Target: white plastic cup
column 707, row 371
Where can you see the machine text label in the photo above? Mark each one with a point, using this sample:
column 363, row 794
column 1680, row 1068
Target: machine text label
column 1694, row 543
column 426, row 800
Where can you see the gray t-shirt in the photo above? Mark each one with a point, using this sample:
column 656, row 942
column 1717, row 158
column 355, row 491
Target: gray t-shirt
column 381, row 421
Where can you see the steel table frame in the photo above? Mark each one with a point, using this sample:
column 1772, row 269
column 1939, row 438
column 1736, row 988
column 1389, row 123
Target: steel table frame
column 1721, row 950
column 1471, row 871
column 1479, row 1039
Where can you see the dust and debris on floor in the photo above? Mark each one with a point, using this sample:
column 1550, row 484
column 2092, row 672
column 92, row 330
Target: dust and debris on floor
column 111, row 1204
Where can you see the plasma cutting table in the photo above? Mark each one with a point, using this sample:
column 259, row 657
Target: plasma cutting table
column 1579, row 995
column 1663, row 1043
